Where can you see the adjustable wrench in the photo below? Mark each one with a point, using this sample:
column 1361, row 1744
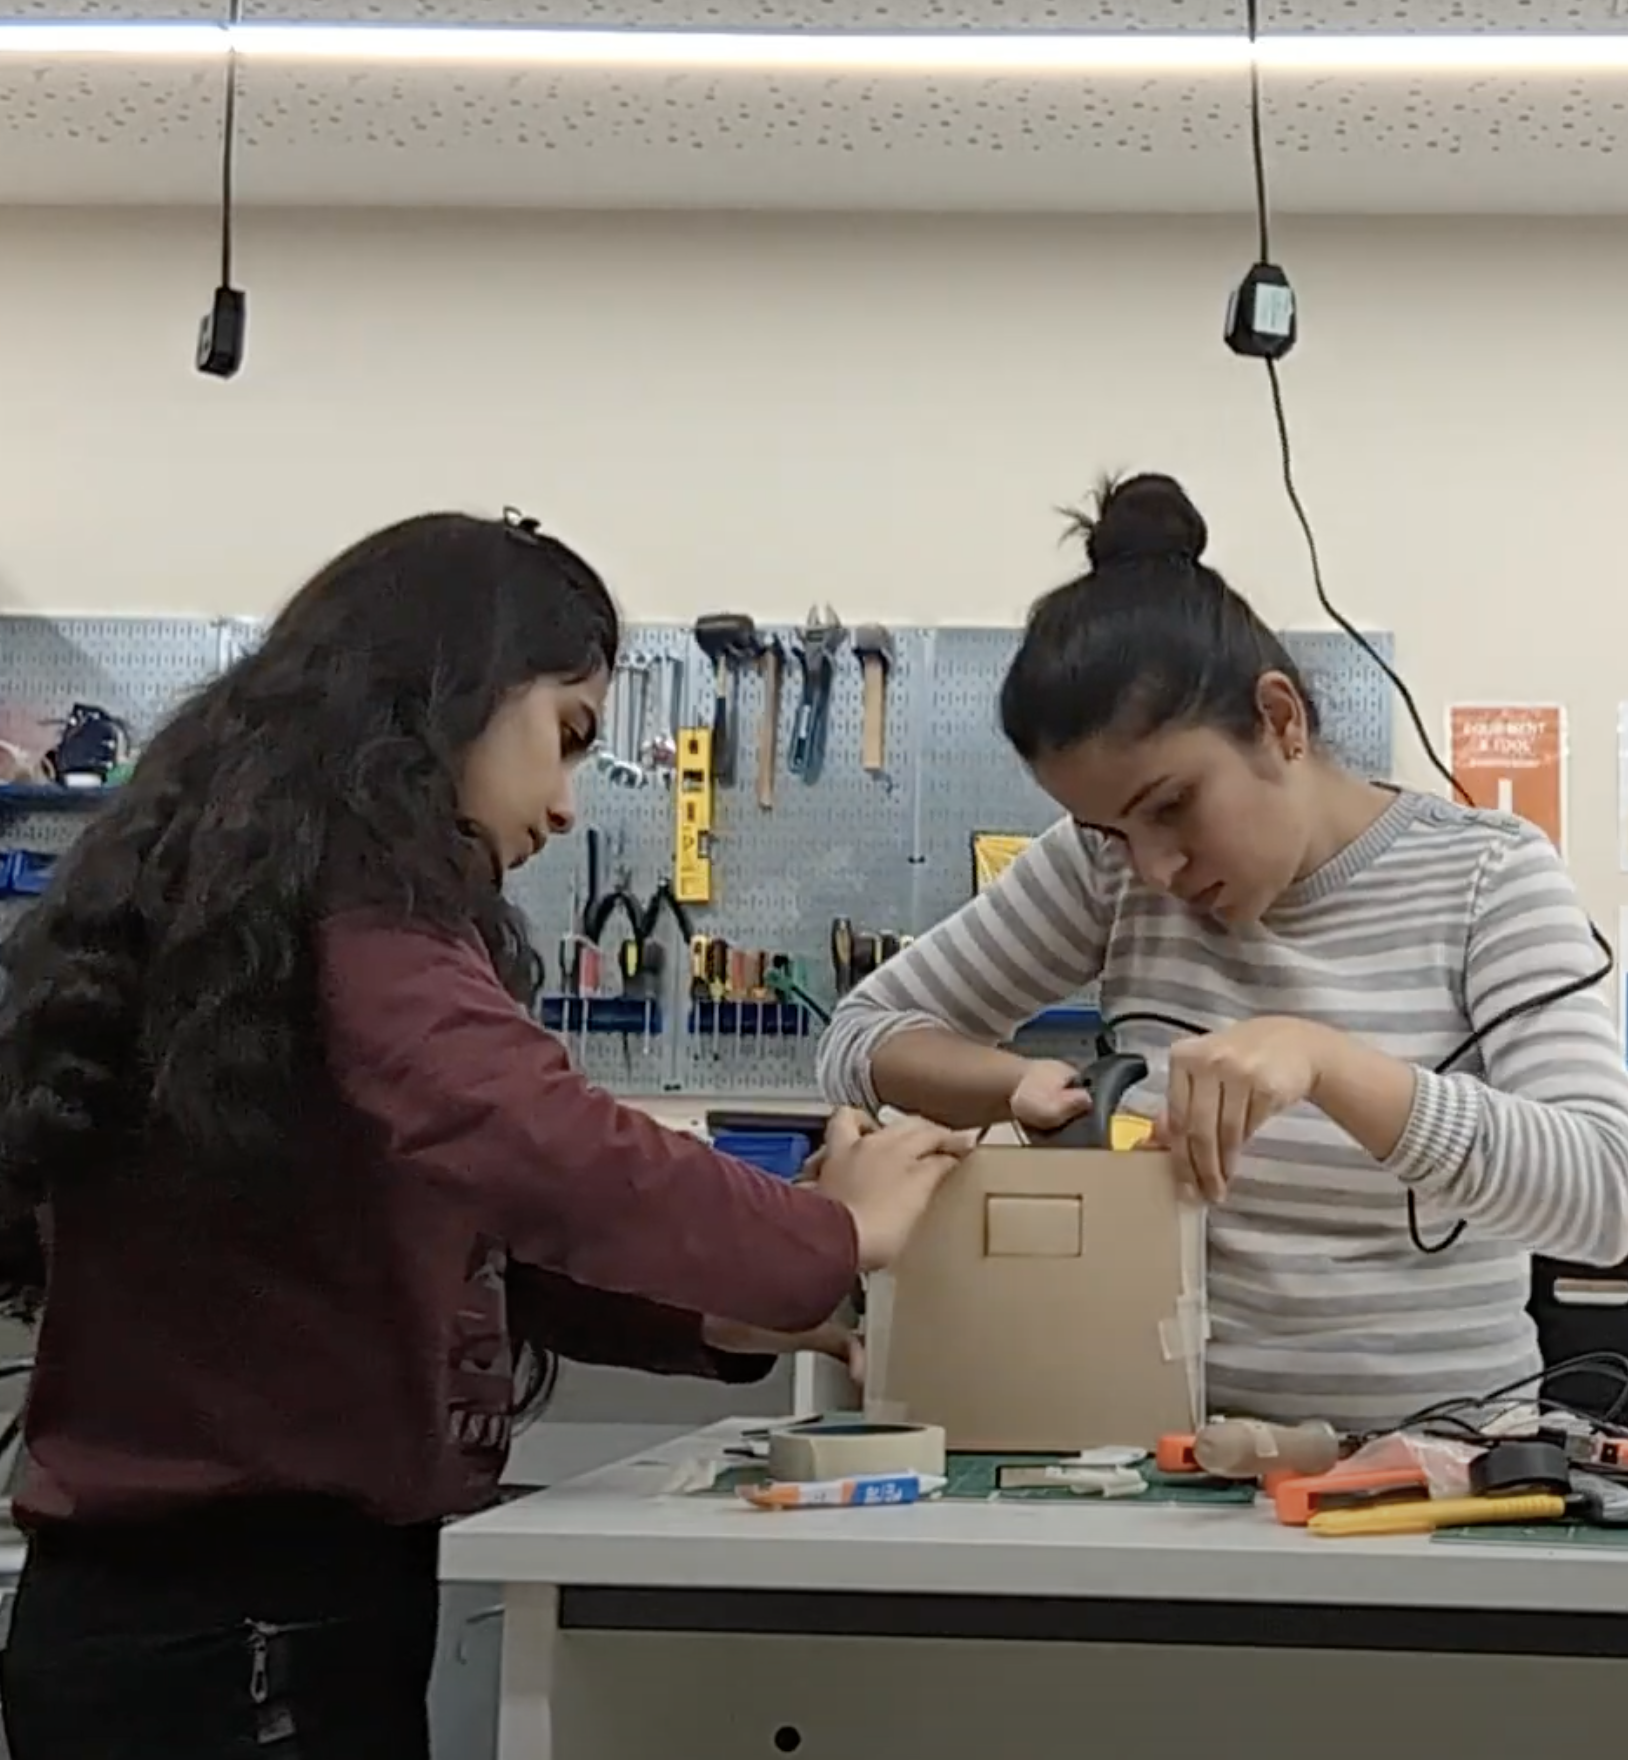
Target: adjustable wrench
column 818, row 642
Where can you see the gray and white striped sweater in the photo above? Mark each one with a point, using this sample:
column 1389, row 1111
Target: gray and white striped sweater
column 1433, row 921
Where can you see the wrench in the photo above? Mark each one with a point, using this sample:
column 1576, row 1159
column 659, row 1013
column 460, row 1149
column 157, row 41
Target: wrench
column 616, row 755
column 819, row 638
column 663, row 752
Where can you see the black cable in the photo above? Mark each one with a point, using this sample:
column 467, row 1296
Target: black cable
column 228, row 153
column 1398, row 684
column 1608, row 1364
column 1286, row 460
column 1112, row 1023
column 1263, row 210
column 796, row 993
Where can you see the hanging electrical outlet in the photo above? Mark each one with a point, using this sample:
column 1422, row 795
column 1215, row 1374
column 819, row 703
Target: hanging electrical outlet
column 224, row 329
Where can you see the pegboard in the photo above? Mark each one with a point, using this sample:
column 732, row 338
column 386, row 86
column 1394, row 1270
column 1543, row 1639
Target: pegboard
column 840, row 845
column 135, row 668
column 636, row 827
column 1355, row 697
column 889, row 851
column 971, row 779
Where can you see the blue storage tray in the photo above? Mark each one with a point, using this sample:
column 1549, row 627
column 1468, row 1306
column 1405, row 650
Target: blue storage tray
column 781, row 1153
column 25, row 873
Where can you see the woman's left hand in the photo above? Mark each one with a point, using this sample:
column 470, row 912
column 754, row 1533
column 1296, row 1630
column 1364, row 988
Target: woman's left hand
column 1224, row 1086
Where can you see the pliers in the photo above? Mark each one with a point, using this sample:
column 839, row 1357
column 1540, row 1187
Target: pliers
column 642, row 919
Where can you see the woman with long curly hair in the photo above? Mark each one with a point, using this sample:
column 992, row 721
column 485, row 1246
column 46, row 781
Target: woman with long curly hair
column 292, row 1177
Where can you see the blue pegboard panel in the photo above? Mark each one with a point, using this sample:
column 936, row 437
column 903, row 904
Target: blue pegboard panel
column 235, row 637
column 136, row 668
column 634, row 1050
column 889, row 851
column 1357, row 699
column 971, row 780
column 839, row 845
column 636, row 827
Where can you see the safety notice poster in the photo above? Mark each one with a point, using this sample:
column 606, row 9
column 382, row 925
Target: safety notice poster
column 1512, row 757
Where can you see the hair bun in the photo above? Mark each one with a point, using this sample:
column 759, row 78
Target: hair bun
column 1144, row 518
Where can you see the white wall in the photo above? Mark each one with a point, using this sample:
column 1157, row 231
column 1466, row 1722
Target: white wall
column 882, row 413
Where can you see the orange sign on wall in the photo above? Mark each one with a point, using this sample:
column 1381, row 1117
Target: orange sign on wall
column 1512, row 757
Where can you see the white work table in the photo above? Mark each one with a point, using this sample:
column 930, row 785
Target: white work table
column 643, row 1620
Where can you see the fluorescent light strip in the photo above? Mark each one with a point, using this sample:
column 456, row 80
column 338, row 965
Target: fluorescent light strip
column 827, row 52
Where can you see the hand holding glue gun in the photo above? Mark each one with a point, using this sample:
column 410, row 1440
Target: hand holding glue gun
column 861, row 1489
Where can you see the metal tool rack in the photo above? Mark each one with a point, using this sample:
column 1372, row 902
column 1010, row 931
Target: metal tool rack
column 890, row 851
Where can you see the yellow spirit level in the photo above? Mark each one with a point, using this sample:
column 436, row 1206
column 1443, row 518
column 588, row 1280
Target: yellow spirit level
column 693, row 860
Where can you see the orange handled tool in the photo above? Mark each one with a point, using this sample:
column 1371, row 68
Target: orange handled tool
column 1174, row 1454
column 1298, row 1500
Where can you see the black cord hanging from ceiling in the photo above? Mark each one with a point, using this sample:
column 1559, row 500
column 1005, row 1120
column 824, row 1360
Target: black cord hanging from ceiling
column 1262, row 322
column 222, row 333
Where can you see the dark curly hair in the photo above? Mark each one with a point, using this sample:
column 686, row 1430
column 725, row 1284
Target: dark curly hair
column 164, row 989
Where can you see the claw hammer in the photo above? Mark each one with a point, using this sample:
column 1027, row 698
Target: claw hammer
column 873, row 649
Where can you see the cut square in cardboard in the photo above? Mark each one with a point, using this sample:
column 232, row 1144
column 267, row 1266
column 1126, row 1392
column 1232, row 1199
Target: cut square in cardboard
column 1051, row 1300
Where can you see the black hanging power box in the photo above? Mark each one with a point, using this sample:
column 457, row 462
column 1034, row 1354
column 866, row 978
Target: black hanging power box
column 1261, row 314
column 221, row 334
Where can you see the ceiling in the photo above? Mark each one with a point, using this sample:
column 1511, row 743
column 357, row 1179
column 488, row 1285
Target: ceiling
column 108, row 131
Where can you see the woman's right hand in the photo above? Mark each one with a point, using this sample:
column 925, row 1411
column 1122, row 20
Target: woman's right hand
column 1047, row 1096
column 886, row 1175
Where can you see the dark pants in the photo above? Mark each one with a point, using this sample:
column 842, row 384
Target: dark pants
column 270, row 1633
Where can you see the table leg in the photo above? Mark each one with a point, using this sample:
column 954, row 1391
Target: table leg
column 530, row 1635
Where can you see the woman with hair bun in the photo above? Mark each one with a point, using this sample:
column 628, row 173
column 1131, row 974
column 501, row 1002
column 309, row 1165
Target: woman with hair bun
column 1317, row 943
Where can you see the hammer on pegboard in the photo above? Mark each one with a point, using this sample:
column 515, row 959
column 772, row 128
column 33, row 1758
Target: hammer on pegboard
column 873, row 648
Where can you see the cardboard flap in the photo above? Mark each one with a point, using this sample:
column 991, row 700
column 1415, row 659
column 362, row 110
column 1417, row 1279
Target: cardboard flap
column 1052, row 1299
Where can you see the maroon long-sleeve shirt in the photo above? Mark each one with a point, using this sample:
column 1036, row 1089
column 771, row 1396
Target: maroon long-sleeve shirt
column 356, row 1343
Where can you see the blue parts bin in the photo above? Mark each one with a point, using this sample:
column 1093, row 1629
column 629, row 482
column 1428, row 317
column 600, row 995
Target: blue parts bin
column 781, row 1153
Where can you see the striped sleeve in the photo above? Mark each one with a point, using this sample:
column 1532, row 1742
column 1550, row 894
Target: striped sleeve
column 1537, row 1153
column 1033, row 939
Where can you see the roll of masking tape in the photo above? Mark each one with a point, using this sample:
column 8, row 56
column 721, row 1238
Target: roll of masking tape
column 838, row 1449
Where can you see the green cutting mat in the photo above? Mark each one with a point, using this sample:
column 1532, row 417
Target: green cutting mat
column 974, row 1477
column 1539, row 1534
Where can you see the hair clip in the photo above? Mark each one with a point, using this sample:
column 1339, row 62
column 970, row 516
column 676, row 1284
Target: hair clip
column 522, row 525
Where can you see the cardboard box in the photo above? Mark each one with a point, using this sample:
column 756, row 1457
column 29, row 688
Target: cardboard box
column 1052, row 1300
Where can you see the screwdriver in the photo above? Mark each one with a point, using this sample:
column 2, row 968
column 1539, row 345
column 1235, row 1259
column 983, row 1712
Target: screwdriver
column 740, row 981
column 570, row 965
column 642, row 964
column 717, row 982
column 842, row 954
column 756, row 990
